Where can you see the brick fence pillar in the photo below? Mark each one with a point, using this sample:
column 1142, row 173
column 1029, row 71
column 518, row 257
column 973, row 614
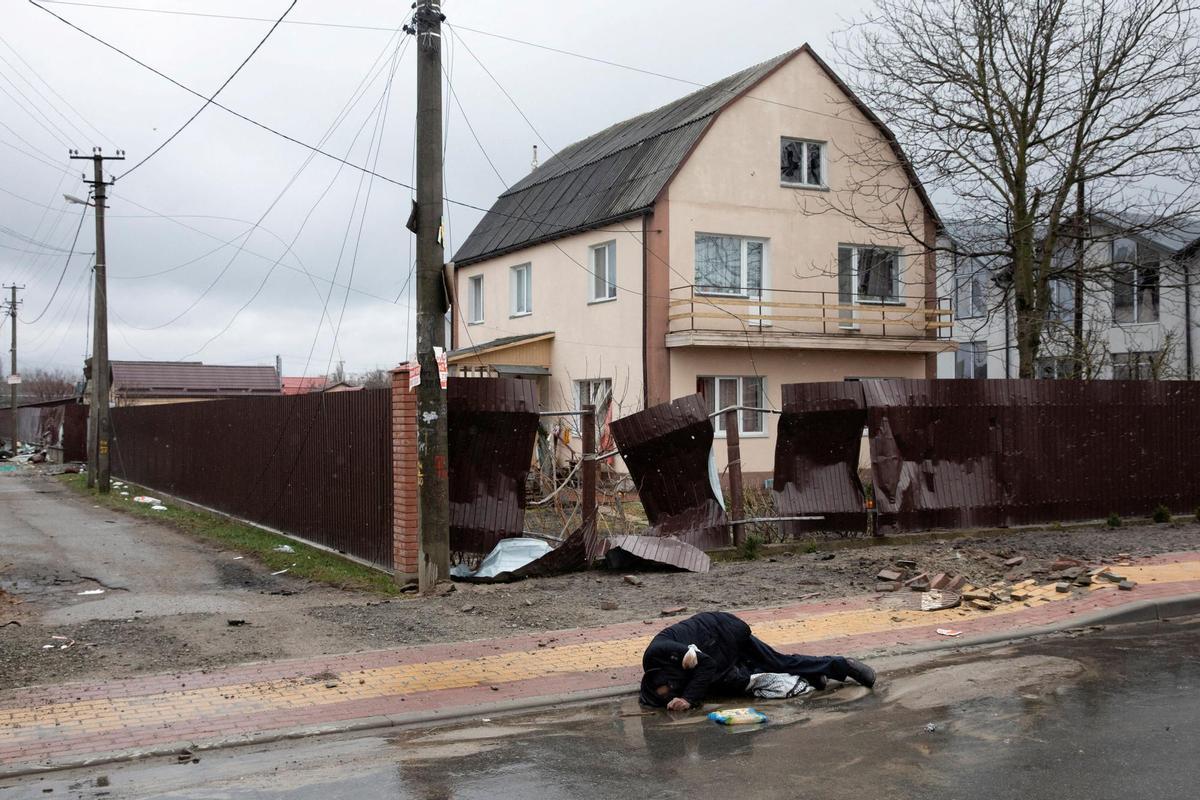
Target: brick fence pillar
column 404, row 478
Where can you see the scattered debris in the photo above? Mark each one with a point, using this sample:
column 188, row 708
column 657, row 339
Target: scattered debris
column 939, row 600
column 633, row 580
column 825, row 556
column 141, row 498
column 889, row 576
column 235, row 623
column 1062, row 586
column 1126, row 585
column 948, row 632
column 920, row 583
column 930, row 727
column 608, row 605
column 738, row 716
column 467, row 609
column 887, row 586
column 982, row 605
column 283, row 548
column 1015, row 561
column 905, row 563
column 280, row 572
column 670, row 612
column 158, row 508
column 641, row 552
column 90, row 591
column 508, row 556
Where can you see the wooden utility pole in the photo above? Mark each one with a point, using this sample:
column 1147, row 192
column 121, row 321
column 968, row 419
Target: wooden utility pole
column 99, row 427
column 1078, row 351
column 733, row 445
column 14, row 377
column 433, row 480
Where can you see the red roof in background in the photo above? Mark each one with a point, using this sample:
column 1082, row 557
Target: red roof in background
column 191, row 378
column 303, row 385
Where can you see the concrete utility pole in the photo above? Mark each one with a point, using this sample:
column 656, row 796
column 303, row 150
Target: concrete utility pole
column 433, row 480
column 99, row 426
column 13, row 375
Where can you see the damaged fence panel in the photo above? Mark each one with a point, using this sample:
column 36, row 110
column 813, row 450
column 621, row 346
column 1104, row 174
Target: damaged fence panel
column 666, row 449
column 816, row 456
column 637, row 552
column 492, row 425
column 1008, row 452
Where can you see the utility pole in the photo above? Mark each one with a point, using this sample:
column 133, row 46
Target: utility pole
column 14, row 377
column 433, row 480
column 1078, row 351
column 99, row 426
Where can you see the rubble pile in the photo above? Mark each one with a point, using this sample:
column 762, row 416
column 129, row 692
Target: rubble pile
column 1019, row 584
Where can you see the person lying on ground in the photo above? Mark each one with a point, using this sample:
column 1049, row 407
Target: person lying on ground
column 715, row 653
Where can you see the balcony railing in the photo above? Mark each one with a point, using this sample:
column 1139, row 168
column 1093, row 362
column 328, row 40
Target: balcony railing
column 807, row 312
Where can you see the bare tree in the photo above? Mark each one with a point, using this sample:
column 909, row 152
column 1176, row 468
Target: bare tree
column 1009, row 109
column 47, row 384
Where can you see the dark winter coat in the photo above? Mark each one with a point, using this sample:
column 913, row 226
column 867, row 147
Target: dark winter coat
column 722, row 639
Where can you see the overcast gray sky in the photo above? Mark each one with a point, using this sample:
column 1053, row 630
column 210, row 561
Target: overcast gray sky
column 207, row 187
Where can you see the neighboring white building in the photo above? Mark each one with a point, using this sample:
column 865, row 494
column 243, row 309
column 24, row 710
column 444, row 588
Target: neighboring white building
column 1141, row 320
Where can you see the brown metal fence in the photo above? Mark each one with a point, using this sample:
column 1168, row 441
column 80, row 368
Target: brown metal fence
column 317, row 466
column 966, row 453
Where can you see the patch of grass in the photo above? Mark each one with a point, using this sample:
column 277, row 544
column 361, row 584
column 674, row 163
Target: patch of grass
column 1114, row 520
column 1161, row 514
column 306, row 562
column 811, row 547
column 751, row 547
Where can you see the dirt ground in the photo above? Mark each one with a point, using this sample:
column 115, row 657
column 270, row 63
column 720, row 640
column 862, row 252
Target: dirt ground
column 169, row 599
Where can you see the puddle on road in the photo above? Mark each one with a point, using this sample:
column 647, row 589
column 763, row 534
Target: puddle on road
column 958, row 683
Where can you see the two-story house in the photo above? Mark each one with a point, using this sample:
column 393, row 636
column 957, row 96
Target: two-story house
column 1141, row 306
column 704, row 246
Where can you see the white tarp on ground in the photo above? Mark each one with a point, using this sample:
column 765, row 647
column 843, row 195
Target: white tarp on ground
column 508, row 555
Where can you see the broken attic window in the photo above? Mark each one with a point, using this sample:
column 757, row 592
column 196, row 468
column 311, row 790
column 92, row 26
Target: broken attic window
column 801, row 162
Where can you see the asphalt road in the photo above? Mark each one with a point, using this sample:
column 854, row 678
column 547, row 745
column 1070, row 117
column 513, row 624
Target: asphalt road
column 1108, row 714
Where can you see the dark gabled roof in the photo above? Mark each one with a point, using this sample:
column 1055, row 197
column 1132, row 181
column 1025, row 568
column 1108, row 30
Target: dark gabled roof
column 191, row 378
column 620, row 171
column 614, row 174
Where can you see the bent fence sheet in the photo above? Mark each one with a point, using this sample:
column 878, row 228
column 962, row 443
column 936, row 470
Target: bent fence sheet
column 816, row 456
column 967, row 453
column 492, row 424
column 53, row 424
column 666, row 449
column 317, row 466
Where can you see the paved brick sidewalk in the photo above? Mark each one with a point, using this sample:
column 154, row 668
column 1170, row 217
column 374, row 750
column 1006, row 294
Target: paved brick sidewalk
column 68, row 724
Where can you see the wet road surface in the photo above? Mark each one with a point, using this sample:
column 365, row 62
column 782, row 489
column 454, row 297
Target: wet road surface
column 1101, row 714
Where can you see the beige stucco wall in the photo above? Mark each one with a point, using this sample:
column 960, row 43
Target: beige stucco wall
column 778, row 367
column 591, row 339
column 731, row 185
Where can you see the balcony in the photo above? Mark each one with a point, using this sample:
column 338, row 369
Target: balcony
column 796, row 318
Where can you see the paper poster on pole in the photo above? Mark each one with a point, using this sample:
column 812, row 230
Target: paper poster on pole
column 414, row 374
column 443, row 369
column 14, row 379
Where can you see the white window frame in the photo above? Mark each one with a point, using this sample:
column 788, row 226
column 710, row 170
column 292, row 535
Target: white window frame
column 895, row 299
column 1135, row 270
column 610, row 278
column 475, row 300
column 518, row 275
column 1140, row 362
column 743, row 288
column 804, row 183
column 712, row 401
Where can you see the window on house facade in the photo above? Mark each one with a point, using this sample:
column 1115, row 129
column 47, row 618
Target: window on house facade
column 520, row 290
column 1135, row 282
column 1062, row 300
column 725, row 391
column 595, row 392
column 730, row 265
column 1136, row 366
column 603, row 258
column 1053, row 367
column 867, row 275
column 801, row 162
column 970, row 360
column 475, row 299
column 970, row 291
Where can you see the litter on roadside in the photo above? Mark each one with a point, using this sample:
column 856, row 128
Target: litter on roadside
column 91, row 591
column 284, row 548
column 948, row 632
column 150, row 501
column 158, row 508
column 738, row 716
column 509, row 555
column 280, row 572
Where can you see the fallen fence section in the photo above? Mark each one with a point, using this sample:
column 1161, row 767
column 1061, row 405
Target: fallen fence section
column 59, row 426
column 639, row 552
column 666, row 449
column 493, row 425
column 316, row 466
column 969, row 453
column 816, row 457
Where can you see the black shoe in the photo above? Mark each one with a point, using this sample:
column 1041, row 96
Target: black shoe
column 860, row 673
column 818, row 682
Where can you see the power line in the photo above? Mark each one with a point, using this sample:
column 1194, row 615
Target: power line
column 61, row 275
column 208, row 101
column 57, row 133
column 64, row 100
column 173, row 12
